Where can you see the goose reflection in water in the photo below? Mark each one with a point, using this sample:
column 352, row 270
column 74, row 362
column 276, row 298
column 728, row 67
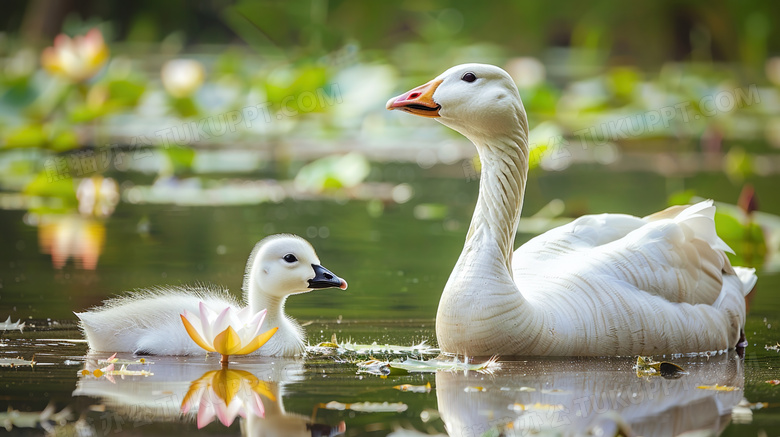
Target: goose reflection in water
column 188, row 389
column 593, row 396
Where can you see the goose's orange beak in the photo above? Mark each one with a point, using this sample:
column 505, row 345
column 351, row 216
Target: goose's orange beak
column 418, row 101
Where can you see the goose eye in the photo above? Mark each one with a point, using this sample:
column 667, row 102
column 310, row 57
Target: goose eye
column 290, row 258
column 469, row 77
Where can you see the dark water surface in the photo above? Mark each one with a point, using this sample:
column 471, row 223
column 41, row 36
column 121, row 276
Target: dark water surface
column 396, row 259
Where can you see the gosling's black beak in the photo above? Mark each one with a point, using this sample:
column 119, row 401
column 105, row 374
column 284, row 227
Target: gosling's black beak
column 324, row 278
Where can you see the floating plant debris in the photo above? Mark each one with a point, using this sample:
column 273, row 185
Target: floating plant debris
column 114, row 360
column 10, row 326
column 474, row 389
column 46, row 419
column 718, row 387
column 410, row 365
column 414, row 388
column 536, row 407
column 378, row 367
column 646, row 366
column 110, row 371
column 775, row 348
column 334, row 347
column 17, row 362
column 367, row 407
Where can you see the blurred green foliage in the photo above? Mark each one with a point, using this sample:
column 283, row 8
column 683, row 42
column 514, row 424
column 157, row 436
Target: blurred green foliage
column 583, row 71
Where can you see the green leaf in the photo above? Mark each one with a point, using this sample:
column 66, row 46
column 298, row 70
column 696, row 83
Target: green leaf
column 297, row 91
column 45, row 186
column 83, row 113
column 26, row 136
column 185, row 107
column 125, row 93
column 623, row 81
column 65, row 140
column 181, row 158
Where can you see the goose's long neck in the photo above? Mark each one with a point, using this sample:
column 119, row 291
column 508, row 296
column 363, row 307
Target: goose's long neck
column 482, row 278
column 288, row 340
column 503, row 176
column 258, row 301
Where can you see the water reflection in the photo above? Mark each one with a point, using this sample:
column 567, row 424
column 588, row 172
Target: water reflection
column 602, row 395
column 225, row 394
column 191, row 389
column 66, row 236
column 82, row 235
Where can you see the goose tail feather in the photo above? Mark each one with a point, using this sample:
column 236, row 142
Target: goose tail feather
column 748, row 278
column 700, row 218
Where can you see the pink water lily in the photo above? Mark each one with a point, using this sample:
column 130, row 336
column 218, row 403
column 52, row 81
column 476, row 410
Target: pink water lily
column 76, row 59
column 228, row 332
column 226, row 394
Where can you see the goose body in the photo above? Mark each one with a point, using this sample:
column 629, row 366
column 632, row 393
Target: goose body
column 149, row 322
column 608, row 284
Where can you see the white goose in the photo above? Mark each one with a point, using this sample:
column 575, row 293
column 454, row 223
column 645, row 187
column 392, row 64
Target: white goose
column 148, row 322
column 608, row 284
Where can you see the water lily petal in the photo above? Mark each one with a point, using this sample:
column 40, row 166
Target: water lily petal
column 196, row 323
column 228, row 342
column 222, row 414
column 206, row 413
column 50, row 61
column 195, row 336
column 198, row 390
column 262, row 388
column 243, row 315
column 256, row 405
column 194, row 393
column 257, row 342
column 222, row 321
column 228, row 413
column 208, row 334
column 257, row 321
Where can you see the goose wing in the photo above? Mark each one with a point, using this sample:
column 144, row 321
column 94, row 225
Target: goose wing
column 674, row 254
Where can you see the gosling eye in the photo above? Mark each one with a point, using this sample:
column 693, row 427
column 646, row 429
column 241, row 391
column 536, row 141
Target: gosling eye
column 468, row 77
column 290, row 258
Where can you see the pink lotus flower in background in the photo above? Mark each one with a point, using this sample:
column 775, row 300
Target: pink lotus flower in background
column 229, row 332
column 76, row 59
column 182, row 77
column 226, row 394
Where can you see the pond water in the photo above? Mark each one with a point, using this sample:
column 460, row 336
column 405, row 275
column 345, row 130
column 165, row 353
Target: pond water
column 396, row 258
